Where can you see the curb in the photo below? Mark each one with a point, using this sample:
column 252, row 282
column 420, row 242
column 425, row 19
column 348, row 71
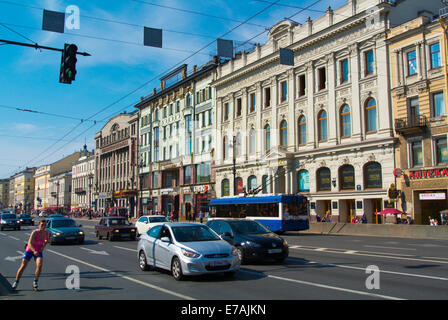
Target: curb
column 5, row 286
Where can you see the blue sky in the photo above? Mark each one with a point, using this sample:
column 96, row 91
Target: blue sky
column 29, row 78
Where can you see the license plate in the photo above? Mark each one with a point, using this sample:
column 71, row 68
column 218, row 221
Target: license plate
column 217, row 263
column 274, row 250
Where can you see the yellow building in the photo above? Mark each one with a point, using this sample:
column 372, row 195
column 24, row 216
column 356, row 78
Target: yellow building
column 418, row 67
column 24, row 189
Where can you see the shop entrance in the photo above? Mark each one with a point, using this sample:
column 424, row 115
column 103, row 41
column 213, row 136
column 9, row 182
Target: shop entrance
column 347, row 210
column 431, row 208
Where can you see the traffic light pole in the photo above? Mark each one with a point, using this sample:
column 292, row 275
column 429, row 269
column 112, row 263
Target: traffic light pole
column 36, row 46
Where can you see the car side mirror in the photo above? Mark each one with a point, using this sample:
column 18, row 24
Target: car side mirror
column 227, row 234
column 165, row 239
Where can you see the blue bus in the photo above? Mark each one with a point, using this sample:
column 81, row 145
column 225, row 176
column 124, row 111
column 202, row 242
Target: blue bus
column 278, row 213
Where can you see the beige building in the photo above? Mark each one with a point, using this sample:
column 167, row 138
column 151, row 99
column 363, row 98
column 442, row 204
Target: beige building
column 83, row 175
column 4, row 193
column 116, row 163
column 60, row 187
column 24, row 189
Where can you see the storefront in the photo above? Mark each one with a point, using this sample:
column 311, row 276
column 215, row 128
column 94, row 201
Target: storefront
column 424, row 193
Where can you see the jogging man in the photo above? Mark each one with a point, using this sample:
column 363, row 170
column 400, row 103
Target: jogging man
column 36, row 244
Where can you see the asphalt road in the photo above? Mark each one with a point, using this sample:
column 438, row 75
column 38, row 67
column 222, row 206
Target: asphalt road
column 319, row 267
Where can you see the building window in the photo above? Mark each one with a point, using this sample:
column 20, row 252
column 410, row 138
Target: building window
column 203, row 173
column 239, row 107
column 188, row 100
column 322, row 125
column 303, row 182
column 369, row 62
column 267, row 137
column 412, row 62
column 438, row 104
column 345, row 121
column 238, row 186
column 155, row 179
column 267, row 97
column 302, row 85
column 302, row 130
column 284, row 91
column 225, row 148
column 441, row 151
column 252, row 141
column 414, row 111
column 252, row 102
column 264, row 184
column 373, row 176
column 252, row 183
column 177, row 106
column 226, row 111
column 323, row 179
column 344, row 71
column 225, row 187
column 347, row 177
column 370, row 114
column 417, row 153
column 284, row 133
column 187, row 175
column 436, row 60
column 322, row 79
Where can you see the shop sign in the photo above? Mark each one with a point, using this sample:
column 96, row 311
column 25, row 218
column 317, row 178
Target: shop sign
column 199, row 189
column 432, row 196
column 430, row 173
column 166, row 191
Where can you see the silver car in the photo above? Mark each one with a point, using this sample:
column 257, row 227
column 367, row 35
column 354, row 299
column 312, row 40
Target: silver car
column 186, row 249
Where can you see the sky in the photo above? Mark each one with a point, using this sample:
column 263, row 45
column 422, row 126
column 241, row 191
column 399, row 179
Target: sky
column 120, row 69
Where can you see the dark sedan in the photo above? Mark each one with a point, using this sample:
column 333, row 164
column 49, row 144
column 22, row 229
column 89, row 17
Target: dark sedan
column 114, row 228
column 9, row 221
column 252, row 239
column 26, row 219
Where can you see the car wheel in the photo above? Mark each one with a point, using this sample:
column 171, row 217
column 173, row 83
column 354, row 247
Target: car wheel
column 240, row 252
column 176, row 269
column 142, row 263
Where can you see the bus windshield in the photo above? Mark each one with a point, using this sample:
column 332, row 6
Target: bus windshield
column 248, row 210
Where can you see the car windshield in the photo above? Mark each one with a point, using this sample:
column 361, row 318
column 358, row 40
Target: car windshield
column 118, row 222
column 158, row 219
column 193, row 233
column 63, row 223
column 8, row 216
column 248, row 227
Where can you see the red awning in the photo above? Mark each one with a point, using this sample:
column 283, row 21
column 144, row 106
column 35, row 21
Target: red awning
column 390, row 211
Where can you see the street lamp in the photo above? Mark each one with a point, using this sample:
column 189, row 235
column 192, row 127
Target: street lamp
column 90, row 194
column 140, row 166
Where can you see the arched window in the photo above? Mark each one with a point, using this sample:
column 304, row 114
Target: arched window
column 322, row 124
column 370, row 115
column 303, row 181
column 252, row 182
column 373, row 176
column 225, row 148
column 346, row 129
column 264, row 183
column 252, row 141
column 284, row 133
column 225, row 187
column 238, row 185
column 323, row 179
column 302, row 130
column 347, row 177
column 267, row 137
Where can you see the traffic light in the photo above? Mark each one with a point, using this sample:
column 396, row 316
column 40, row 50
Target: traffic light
column 68, row 64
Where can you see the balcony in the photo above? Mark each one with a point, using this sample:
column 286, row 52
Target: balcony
column 411, row 125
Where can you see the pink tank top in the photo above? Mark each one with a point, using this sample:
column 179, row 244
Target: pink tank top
column 38, row 243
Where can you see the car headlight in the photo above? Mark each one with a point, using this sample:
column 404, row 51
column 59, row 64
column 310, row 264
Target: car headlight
column 132, row 230
column 190, row 254
column 285, row 243
column 56, row 234
column 117, row 230
column 80, row 233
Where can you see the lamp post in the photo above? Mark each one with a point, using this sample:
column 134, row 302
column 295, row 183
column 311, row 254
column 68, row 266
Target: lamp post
column 140, row 166
column 90, row 194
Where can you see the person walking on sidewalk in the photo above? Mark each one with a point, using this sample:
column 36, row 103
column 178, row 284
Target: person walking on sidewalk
column 36, row 244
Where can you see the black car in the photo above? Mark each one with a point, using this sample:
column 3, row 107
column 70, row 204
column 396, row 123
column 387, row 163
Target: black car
column 253, row 240
column 9, row 221
column 26, row 219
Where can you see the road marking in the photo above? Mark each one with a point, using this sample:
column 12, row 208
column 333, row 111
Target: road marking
column 103, row 253
column 3, row 234
column 13, row 238
column 327, row 286
column 350, row 251
column 13, row 259
column 146, row 284
column 392, row 248
column 123, row 248
column 320, row 249
column 373, row 254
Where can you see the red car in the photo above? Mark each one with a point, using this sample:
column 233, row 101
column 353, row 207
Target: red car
column 115, row 228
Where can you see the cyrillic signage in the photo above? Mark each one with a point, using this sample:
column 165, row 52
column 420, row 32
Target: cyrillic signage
column 432, row 196
column 429, row 173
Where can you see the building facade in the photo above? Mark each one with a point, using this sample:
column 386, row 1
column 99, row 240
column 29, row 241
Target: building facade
column 322, row 127
column 418, row 55
column 177, row 132
column 24, row 189
column 83, row 175
column 116, row 164
column 4, row 193
column 60, row 187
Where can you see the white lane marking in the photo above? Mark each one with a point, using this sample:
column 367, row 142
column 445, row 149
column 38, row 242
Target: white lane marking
column 328, row 287
column 350, row 251
column 320, row 249
column 13, row 238
column 123, row 248
column 376, row 255
column 103, row 253
column 392, row 248
column 3, row 234
column 382, row 271
column 146, row 284
column 13, row 259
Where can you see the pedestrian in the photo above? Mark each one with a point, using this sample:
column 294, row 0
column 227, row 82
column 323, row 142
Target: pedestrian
column 364, row 218
column 431, row 221
column 318, row 218
column 34, row 249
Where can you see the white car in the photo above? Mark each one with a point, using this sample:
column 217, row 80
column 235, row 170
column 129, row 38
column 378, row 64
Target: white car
column 147, row 222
